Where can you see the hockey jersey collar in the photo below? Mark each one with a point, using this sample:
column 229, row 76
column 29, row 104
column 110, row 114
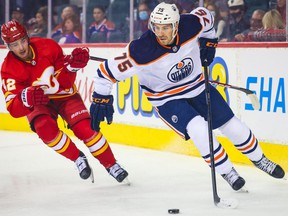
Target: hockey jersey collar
column 171, row 48
column 32, row 61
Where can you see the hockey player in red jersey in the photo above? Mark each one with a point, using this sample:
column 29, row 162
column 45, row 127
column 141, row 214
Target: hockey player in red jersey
column 168, row 61
column 38, row 82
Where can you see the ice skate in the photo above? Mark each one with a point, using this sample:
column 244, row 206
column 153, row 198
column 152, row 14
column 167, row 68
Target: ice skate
column 117, row 172
column 269, row 167
column 234, row 179
column 83, row 167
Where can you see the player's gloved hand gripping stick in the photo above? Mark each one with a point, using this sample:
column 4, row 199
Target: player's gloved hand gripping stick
column 33, row 96
column 207, row 50
column 78, row 59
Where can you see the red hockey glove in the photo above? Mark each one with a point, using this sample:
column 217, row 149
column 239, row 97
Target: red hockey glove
column 78, row 59
column 33, row 95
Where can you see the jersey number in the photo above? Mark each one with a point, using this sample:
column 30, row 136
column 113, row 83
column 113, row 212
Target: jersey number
column 10, row 85
column 123, row 66
column 202, row 13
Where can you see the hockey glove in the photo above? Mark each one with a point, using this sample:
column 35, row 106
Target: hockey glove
column 101, row 107
column 207, row 49
column 33, row 95
column 78, row 59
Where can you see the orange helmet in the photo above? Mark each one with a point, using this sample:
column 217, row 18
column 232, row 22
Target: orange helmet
column 12, row 31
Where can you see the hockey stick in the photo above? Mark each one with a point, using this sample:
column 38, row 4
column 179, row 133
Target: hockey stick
column 219, row 202
column 94, row 58
column 253, row 98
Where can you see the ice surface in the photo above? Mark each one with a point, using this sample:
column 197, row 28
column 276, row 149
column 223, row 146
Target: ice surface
column 35, row 181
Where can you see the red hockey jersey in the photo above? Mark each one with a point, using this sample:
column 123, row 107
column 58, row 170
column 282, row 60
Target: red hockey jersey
column 46, row 68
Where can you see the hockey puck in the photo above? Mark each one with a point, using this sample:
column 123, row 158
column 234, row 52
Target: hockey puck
column 173, row 211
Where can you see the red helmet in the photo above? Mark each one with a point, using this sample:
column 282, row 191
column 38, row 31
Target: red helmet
column 12, row 31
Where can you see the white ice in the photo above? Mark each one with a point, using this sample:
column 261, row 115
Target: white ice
column 35, row 181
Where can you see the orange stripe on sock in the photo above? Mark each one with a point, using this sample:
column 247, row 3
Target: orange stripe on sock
column 249, row 146
column 217, row 157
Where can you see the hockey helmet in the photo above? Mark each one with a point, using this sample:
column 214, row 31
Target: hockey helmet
column 12, row 31
column 165, row 13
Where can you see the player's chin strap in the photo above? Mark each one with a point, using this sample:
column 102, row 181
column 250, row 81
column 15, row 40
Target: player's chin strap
column 252, row 96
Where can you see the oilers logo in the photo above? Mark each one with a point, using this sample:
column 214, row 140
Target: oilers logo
column 181, row 70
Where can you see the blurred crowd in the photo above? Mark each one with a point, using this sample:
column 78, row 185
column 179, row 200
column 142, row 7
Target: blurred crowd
column 108, row 21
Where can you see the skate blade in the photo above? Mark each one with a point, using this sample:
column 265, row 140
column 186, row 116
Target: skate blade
column 243, row 190
column 92, row 176
column 227, row 203
column 126, row 182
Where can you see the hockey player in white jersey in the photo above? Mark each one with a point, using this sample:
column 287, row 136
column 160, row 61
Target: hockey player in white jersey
column 168, row 61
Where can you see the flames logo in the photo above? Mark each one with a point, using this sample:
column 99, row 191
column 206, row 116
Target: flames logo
column 181, row 70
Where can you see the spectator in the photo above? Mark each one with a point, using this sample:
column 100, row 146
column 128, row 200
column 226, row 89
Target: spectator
column 41, row 29
column 255, row 24
column 100, row 30
column 281, row 7
column 29, row 7
column 118, row 12
column 253, row 5
column 68, row 10
column 237, row 22
column 222, row 19
column 273, row 28
column 70, row 30
column 188, row 5
column 141, row 25
column 215, row 12
column 31, row 25
column 90, row 7
column 18, row 15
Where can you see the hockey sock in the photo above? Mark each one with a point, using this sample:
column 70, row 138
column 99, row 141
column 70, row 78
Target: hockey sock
column 100, row 149
column 96, row 142
column 47, row 130
column 243, row 139
column 64, row 146
column 197, row 129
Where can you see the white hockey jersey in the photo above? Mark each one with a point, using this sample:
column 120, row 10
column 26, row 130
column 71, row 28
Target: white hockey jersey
column 164, row 72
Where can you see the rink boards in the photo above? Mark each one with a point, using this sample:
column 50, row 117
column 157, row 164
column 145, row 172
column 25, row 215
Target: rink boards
column 261, row 68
